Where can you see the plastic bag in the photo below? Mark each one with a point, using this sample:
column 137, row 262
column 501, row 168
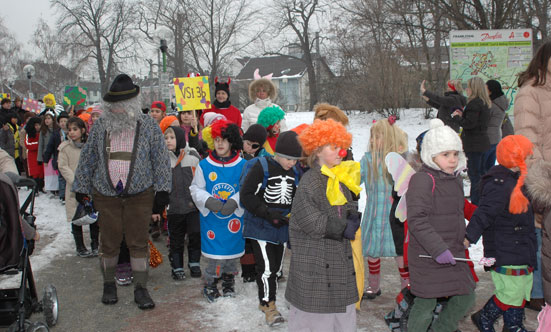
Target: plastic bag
column 85, row 214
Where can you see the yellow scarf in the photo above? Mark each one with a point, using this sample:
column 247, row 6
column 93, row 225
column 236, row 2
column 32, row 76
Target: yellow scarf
column 347, row 173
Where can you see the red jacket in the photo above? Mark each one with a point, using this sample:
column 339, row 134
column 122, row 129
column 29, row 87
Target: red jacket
column 231, row 113
column 31, row 143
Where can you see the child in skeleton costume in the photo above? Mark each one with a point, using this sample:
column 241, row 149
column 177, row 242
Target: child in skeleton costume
column 183, row 216
column 125, row 166
column 215, row 191
column 267, row 195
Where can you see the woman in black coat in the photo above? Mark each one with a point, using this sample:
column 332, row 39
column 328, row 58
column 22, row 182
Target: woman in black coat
column 452, row 99
column 474, row 121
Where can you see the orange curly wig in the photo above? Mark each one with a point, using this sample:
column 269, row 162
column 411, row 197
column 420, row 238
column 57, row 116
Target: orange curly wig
column 323, row 132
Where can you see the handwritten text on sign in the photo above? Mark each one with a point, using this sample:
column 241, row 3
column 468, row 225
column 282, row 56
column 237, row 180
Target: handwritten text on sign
column 192, row 93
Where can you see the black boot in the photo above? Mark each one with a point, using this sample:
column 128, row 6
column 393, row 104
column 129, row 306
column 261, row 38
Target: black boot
column 109, row 293
column 177, row 262
column 141, row 295
column 486, row 317
column 94, row 236
column 228, row 285
column 210, row 291
column 82, row 251
column 512, row 320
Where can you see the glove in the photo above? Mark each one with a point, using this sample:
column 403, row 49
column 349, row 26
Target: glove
column 82, row 198
column 445, row 258
column 214, row 204
column 228, row 208
column 160, row 202
column 277, row 219
column 352, row 225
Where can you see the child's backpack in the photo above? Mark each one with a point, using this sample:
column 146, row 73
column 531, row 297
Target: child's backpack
column 264, row 163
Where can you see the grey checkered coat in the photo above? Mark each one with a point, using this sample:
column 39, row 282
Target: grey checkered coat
column 321, row 274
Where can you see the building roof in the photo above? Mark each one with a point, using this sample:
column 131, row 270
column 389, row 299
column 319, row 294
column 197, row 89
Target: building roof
column 279, row 65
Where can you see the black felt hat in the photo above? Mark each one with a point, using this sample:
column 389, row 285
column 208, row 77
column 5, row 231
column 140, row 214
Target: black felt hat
column 122, row 88
column 287, row 145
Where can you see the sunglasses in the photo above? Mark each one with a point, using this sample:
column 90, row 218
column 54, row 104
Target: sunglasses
column 255, row 145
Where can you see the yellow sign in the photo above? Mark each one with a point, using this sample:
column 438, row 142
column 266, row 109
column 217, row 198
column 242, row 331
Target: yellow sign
column 4, row 95
column 192, row 93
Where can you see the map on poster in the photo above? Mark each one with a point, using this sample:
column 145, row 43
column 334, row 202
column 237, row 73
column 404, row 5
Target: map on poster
column 491, row 54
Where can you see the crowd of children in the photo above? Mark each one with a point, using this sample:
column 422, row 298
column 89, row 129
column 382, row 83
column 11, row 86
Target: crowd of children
column 244, row 189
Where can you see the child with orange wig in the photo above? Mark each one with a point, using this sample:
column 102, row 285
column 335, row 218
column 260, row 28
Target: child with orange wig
column 505, row 220
column 377, row 237
column 321, row 287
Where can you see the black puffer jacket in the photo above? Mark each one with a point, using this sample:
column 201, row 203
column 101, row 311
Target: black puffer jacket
column 446, row 104
column 509, row 238
column 474, row 121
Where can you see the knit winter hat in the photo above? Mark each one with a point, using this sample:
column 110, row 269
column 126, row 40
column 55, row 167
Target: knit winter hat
column 96, row 109
column 512, row 151
column 324, row 111
column 323, row 132
column 167, row 122
column 270, row 116
column 210, row 117
column 159, row 105
column 229, row 131
column 438, row 139
column 49, row 100
column 221, row 86
column 256, row 133
column 288, row 146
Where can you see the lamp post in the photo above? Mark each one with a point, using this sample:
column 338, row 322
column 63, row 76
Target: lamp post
column 164, row 78
column 29, row 71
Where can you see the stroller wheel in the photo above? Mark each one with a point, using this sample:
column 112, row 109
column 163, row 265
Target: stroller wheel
column 37, row 327
column 50, row 305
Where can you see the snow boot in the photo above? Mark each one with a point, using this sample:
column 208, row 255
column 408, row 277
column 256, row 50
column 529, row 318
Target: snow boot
column 228, row 285
column 177, row 262
column 273, row 317
column 485, row 318
column 109, row 293
column 82, row 251
column 195, row 271
column 211, row 292
column 141, row 295
column 512, row 319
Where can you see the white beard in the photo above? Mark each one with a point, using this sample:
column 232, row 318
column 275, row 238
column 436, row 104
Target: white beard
column 117, row 122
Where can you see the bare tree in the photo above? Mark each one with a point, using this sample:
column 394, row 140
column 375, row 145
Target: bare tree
column 8, row 53
column 537, row 15
column 298, row 16
column 104, row 29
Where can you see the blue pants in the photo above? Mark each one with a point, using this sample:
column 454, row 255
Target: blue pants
column 489, row 159
column 62, row 185
column 537, row 286
column 474, row 171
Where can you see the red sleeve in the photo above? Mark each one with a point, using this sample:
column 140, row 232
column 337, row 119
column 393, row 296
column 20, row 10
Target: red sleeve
column 469, row 209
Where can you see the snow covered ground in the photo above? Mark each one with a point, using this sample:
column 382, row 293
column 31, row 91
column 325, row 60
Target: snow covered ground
column 56, row 239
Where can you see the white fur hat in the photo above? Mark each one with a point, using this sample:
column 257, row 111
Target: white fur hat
column 441, row 138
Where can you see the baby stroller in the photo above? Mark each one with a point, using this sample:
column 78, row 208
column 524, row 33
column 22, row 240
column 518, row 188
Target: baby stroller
column 17, row 304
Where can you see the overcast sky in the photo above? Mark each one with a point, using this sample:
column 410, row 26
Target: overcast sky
column 20, row 17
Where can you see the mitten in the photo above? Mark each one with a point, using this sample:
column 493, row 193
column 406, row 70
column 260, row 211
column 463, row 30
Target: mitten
column 445, row 258
column 214, row 204
column 82, row 198
column 277, row 219
column 229, row 207
column 161, row 201
column 352, row 225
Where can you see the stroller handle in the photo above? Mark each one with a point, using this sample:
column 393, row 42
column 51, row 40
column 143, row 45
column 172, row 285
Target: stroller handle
column 20, row 181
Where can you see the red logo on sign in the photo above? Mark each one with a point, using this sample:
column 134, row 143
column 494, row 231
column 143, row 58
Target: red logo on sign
column 526, row 34
column 210, row 235
column 234, row 225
